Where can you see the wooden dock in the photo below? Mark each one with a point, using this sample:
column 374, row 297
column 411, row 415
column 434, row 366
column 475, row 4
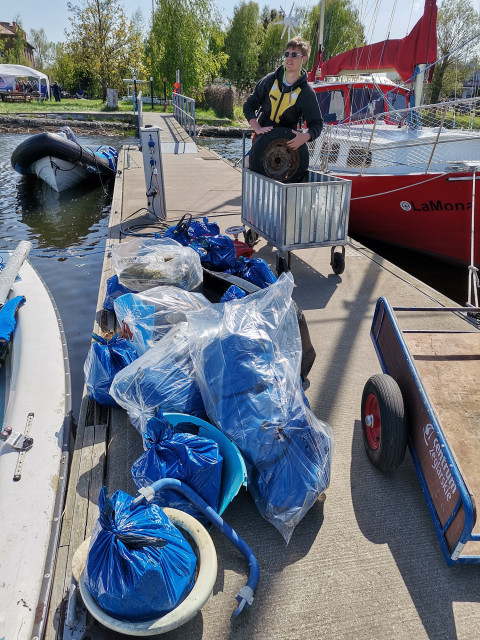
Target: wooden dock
column 365, row 563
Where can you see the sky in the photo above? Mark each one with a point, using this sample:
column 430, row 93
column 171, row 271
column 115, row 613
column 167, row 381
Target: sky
column 52, row 15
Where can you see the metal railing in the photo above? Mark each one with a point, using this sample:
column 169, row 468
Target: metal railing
column 424, row 138
column 140, row 112
column 184, row 112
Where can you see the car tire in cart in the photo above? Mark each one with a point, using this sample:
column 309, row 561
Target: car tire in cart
column 383, row 422
column 271, row 157
column 338, row 264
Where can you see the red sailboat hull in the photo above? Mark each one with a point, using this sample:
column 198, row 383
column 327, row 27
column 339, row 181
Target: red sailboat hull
column 429, row 213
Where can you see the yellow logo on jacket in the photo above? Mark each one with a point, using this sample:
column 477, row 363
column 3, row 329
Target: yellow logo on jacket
column 281, row 102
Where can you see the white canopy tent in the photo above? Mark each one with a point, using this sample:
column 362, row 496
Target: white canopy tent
column 12, row 71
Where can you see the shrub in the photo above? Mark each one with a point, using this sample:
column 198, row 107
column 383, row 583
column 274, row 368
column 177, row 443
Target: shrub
column 220, row 98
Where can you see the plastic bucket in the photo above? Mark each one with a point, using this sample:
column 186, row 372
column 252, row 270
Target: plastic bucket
column 234, row 472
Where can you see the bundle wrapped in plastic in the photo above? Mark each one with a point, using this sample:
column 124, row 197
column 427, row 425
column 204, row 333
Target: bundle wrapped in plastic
column 247, row 365
column 139, row 565
column 161, row 378
column 148, row 316
column 144, row 263
column 233, row 293
column 172, row 453
column 104, row 360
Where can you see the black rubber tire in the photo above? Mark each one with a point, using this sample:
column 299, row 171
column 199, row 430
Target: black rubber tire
column 250, row 237
column 281, row 266
column 338, row 265
column 271, row 157
column 387, row 452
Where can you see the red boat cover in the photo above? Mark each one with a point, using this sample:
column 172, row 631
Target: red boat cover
column 419, row 47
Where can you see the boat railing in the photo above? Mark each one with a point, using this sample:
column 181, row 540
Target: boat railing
column 184, row 112
column 140, row 112
column 419, row 137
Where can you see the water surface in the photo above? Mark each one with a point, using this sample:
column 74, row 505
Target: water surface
column 68, row 232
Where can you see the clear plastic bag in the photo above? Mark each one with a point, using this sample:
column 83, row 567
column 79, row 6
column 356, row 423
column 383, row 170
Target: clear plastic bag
column 161, row 378
column 247, row 366
column 144, row 263
column 148, row 316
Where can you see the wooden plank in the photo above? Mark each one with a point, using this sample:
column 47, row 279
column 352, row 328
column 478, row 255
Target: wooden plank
column 97, row 476
column 80, row 508
column 449, row 366
column 55, row 611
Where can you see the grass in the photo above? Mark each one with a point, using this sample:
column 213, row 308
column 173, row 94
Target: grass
column 202, row 116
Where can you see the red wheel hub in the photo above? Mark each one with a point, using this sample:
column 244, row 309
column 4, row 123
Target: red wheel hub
column 372, row 421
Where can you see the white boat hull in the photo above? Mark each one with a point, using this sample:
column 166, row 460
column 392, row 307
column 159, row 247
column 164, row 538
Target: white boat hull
column 38, row 398
column 59, row 174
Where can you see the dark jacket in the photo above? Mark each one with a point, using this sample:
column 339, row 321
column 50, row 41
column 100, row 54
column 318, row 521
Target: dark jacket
column 282, row 106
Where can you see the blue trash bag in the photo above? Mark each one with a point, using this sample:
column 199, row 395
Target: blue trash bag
column 247, row 366
column 216, row 252
column 139, row 565
column 187, row 229
column 254, row 270
column 233, row 293
column 163, row 377
column 104, row 360
column 148, row 316
column 172, row 453
column 203, row 228
column 114, row 291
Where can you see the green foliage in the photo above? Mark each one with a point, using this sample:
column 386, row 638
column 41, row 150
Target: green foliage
column 107, row 44
column 15, row 54
column 44, row 50
column 242, row 45
column 184, row 36
column 457, row 22
column 272, row 49
column 343, row 29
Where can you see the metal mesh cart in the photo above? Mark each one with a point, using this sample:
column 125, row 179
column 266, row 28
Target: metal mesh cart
column 312, row 213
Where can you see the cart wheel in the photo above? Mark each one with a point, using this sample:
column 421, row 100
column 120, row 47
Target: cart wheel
column 250, row 237
column 271, row 157
column 338, row 264
column 383, row 422
column 281, row 265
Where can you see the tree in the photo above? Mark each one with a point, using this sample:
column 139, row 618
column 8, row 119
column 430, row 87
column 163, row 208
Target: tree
column 457, row 22
column 44, row 49
column 180, row 38
column 343, row 29
column 272, row 48
column 104, row 41
column 15, row 54
column 242, row 45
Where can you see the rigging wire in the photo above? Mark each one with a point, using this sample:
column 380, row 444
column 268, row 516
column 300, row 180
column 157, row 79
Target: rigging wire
column 409, row 18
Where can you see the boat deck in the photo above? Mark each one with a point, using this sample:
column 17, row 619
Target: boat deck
column 363, row 563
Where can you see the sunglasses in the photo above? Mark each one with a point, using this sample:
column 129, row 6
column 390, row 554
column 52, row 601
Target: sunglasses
column 294, row 54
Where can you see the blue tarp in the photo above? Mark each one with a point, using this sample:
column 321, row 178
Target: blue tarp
column 139, row 565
